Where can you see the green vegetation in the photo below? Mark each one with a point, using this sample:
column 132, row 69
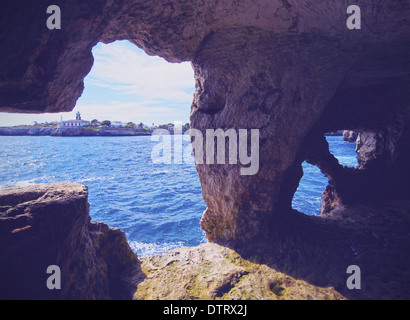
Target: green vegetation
column 106, row 123
column 170, row 126
column 45, row 124
column 96, row 124
column 214, row 272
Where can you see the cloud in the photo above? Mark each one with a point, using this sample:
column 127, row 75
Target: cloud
column 125, row 84
column 122, row 67
column 147, row 112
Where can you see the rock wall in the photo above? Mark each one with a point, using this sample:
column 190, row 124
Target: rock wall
column 46, row 225
column 350, row 135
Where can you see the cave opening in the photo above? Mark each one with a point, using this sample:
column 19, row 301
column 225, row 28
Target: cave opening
column 344, row 147
column 158, row 206
column 308, row 196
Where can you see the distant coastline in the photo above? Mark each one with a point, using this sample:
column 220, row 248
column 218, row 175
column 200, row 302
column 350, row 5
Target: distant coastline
column 71, row 132
column 57, row 131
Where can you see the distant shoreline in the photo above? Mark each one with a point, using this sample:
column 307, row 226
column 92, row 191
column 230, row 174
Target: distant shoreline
column 71, row 132
column 87, row 131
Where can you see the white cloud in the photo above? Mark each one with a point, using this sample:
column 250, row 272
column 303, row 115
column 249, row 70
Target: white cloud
column 125, row 84
column 123, row 67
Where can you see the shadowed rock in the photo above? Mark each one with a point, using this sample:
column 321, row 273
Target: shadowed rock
column 49, row 224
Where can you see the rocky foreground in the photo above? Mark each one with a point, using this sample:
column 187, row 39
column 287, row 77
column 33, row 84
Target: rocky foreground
column 49, row 224
column 211, row 271
column 291, row 69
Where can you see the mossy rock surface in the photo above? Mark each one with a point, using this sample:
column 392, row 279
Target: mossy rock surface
column 211, row 271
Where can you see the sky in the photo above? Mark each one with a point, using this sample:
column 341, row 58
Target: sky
column 125, row 84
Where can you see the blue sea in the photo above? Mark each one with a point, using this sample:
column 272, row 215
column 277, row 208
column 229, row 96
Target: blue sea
column 158, row 206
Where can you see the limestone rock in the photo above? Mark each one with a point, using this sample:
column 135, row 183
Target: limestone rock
column 292, row 70
column 350, row 135
column 210, row 271
column 49, row 224
column 286, row 68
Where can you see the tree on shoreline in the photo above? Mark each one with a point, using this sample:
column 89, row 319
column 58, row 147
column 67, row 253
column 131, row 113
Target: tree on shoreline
column 106, row 123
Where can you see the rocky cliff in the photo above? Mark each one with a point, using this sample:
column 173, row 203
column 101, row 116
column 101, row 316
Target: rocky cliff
column 49, row 225
column 291, row 69
column 350, row 135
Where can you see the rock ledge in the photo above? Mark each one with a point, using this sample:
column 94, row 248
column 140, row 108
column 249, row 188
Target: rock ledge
column 211, row 271
column 49, row 224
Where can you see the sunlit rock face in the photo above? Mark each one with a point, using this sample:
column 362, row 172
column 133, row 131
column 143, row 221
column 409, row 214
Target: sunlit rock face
column 291, row 69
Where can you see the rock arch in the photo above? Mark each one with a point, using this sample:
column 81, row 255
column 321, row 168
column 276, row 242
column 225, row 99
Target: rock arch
column 288, row 68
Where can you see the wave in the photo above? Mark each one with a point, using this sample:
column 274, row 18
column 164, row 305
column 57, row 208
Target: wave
column 148, row 249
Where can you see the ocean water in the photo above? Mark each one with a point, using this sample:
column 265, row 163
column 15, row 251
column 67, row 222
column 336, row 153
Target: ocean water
column 158, row 206
column 308, row 195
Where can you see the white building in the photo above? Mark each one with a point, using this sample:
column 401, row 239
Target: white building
column 116, row 124
column 78, row 122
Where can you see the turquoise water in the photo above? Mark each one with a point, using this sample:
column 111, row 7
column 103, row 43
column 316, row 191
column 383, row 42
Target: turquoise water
column 158, row 206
